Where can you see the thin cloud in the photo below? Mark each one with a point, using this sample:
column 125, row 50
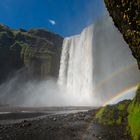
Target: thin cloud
column 52, row 21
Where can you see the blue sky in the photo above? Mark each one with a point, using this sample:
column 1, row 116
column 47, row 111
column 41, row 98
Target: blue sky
column 65, row 17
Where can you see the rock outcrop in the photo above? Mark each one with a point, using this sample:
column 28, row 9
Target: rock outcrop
column 113, row 114
column 134, row 116
column 38, row 50
column 126, row 17
column 125, row 114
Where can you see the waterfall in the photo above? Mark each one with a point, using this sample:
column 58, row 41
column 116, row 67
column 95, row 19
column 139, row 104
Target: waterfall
column 97, row 64
column 76, row 65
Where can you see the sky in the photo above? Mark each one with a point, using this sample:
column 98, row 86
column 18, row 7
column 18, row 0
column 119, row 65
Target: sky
column 65, row 17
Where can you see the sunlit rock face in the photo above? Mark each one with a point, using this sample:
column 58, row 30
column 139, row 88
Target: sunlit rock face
column 37, row 49
column 97, row 62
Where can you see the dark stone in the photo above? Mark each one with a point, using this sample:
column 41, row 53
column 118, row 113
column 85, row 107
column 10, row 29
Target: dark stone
column 126, row 17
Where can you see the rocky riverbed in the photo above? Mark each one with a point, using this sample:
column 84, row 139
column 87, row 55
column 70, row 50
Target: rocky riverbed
column 49, row 124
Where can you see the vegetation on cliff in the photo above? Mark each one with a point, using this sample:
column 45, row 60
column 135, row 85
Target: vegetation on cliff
column 126, row 17
column 113, row 114
column 125, row 113
column 134, row 116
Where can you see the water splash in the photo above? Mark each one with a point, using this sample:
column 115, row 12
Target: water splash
column 92, row 57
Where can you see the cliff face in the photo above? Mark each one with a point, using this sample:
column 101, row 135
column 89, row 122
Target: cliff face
column 134, row 116
column 38, row 50
column 125, row 114
column 126, row 17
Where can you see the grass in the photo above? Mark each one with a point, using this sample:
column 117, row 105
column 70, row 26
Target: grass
column 121, row 107
column 100, row 113
column 134, row 118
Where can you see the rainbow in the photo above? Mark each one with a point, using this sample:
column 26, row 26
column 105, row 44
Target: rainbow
column 133, row 88
column 115, row 74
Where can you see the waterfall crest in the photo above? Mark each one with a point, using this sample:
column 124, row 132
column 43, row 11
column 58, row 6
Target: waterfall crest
column 76, row 65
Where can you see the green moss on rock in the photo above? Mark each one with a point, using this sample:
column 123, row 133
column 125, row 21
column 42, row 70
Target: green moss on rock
column 112, row 115
column 134, row 116
column 126, row 17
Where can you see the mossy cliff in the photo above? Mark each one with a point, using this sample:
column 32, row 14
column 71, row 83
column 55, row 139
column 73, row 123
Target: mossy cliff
column 113, row 115
column 134, row 116
column 125, row 115
column 38, row 50
column 126, row 17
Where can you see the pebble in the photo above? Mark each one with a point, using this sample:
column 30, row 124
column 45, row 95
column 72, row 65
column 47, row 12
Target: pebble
column 54, row 119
